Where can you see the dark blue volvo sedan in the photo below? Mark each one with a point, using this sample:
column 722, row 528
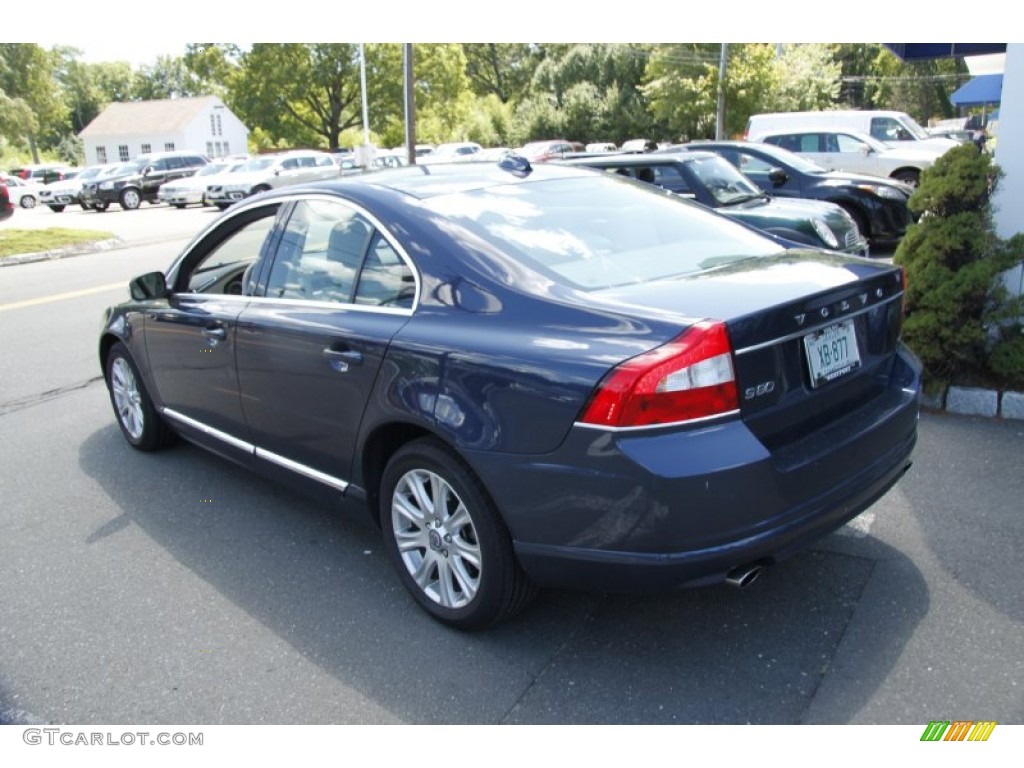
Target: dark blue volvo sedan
column 528, row 377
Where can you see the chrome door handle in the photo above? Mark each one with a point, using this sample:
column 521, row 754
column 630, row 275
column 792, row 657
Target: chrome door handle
column 215, row 333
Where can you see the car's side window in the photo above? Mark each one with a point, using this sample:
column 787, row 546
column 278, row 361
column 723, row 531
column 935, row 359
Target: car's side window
column 321, row 253
column 224, row 268
column 671, row 178
column 848, row 144
column 385, row 279
column 751, row 164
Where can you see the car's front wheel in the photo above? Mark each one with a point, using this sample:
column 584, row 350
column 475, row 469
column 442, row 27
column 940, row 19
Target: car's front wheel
column 140, row 423
column 130, row 199
column 57, row 208
column 28, row 201
column 446, row 539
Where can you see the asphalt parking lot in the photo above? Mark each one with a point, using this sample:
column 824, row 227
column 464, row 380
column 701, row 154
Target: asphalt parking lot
column 178, row 588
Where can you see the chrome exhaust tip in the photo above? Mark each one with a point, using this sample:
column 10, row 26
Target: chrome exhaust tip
column 743, row 576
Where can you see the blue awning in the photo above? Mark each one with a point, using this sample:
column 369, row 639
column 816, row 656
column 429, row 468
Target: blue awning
column 983, row 89
column 916, row 51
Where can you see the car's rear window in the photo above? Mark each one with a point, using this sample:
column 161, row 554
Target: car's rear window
column 600, row 232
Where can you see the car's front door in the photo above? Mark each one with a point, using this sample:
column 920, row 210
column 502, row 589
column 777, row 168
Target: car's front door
column 311, row 342
column 190, row 339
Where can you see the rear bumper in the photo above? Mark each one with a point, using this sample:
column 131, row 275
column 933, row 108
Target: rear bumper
column 634, row 511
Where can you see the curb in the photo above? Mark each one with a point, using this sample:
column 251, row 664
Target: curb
column 976, row 401
column 63, row 253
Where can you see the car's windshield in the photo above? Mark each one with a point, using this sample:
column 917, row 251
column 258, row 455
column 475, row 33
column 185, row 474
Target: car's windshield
column 793, row 160
column 92, row 172
column 211, row 169
column 726, row 184
column 258, row 164
column 597, row 232
column 914, row 127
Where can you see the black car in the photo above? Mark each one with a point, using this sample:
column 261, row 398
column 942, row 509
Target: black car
column 527, row 376
column 713, row 182
column 879, row 206
column 140, row 180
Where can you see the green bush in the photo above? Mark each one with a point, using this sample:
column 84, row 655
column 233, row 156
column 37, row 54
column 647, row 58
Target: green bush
column 958, row 314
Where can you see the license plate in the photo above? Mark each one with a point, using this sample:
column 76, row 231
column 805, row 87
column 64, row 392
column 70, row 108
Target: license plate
column 832, row 352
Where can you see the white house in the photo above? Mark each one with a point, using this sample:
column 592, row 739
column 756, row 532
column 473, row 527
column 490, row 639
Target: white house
column 126, row 129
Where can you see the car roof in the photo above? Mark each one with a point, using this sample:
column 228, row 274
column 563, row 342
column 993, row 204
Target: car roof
column 426, row 181
column 648, row 158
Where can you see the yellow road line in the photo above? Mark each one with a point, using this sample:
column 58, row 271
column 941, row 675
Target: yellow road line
column 62, row 296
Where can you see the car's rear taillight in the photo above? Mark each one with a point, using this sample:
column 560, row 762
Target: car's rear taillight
column 690, row 377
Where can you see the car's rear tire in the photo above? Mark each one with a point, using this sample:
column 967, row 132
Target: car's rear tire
column 57, row 208
column 910, row 176
column 130, row 199
column 223, row 206
column 179, row 206
column 137, row 417
column 446, row 539
column 100, row 207
column 28, row 201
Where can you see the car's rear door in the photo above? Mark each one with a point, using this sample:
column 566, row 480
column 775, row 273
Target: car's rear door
column 311, row 342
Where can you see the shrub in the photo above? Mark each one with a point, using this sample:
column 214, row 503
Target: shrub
column 958, row 314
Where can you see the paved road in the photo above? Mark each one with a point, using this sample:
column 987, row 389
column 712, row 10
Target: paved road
column 178, row 588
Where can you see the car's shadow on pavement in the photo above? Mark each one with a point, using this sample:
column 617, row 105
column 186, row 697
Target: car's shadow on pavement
column 322, row 583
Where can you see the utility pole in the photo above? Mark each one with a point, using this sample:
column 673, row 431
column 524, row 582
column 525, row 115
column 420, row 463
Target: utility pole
column 366, row 157
column 720, row 117
column 410, row 104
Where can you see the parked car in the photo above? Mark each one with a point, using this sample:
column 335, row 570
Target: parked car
column 713, row 182
column 192, row 189
column 23, row 193
column 268, row 172
column 455, row 152
column 527, row 376
column 6, row 208
column 848, row 150
column 639, row 145
column 139, row 180
column 600, row 147
column 542, row 151
column 879, row 206
column 60, row 194
column 43, row 173
column 892, row 128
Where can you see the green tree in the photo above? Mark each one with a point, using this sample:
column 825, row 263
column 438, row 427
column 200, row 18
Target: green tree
column 27, row 82
column 682, row 84
column 953, row 258
column 302, row 95
column 502, row 69
column 807, row 77
column 166, row 78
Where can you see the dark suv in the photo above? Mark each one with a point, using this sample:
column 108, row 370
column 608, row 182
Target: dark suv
column 711, row 181
column 140, row 180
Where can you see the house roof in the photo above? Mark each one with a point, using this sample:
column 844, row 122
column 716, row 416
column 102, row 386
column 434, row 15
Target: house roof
column 134, row 118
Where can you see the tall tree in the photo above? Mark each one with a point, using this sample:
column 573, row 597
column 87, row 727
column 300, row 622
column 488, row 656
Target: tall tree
column 683, row 85
column 299, row 94
column 27, row 81
column 502, row 69
column 166, row 78
column 807, row 77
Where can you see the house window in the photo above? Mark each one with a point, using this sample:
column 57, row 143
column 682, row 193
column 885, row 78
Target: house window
column 227, row 149
column 101, row 155
column 122, row 152
column 209, row 149
column 213, row 126
column 169, row 146
column 147, row 148
column 220, row 128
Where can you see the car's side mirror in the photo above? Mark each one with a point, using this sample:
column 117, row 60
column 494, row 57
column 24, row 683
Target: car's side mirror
column 866, row 150
column 147, row 170
column 777, row 176
column 152, row 285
